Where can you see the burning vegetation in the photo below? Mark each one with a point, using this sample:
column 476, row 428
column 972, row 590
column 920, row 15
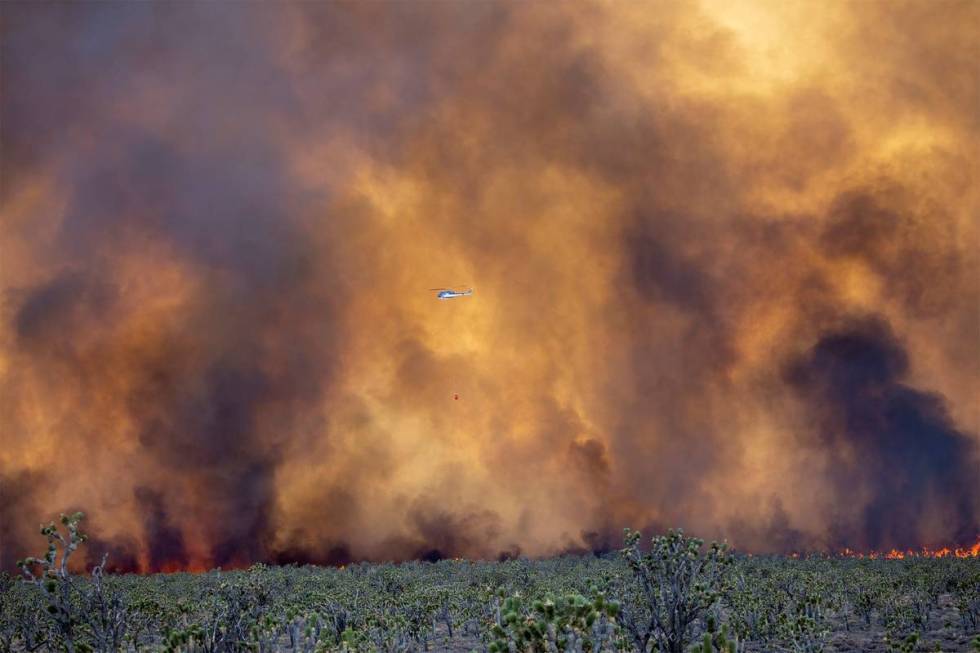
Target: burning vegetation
column 925, row 552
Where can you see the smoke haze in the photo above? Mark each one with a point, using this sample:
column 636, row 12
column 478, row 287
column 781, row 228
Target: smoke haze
column 724, row 257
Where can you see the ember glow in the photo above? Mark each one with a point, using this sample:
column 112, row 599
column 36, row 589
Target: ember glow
column 924, row 552
column 724, row 259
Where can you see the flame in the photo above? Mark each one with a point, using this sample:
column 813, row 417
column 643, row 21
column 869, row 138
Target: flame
column 972, row 551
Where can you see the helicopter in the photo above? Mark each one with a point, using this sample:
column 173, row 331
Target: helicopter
column 449, row 293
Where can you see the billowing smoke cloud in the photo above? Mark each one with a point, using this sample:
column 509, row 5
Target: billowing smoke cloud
column 889, row 443
column 724, row 265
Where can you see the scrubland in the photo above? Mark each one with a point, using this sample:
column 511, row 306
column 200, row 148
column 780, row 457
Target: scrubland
column 671, row 594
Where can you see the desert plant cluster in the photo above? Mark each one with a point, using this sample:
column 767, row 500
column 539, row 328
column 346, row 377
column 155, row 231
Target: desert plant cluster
column 673, row 594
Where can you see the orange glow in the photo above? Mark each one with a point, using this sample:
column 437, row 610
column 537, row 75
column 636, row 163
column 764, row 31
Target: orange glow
column 925, row 552
column 723, row 258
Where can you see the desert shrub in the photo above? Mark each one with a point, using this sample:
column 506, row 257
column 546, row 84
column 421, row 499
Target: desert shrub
column 678, row 583
column 569, row 623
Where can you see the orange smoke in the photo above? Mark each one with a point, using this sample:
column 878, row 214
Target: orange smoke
column 723, row 260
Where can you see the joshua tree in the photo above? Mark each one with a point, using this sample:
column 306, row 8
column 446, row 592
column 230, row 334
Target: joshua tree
column 678, row 584
column 54, row 579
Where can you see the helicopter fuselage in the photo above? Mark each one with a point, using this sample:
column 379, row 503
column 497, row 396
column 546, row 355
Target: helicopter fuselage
column 450, row 294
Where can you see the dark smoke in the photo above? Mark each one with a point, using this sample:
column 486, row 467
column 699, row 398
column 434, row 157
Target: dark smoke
column 893, row 241
column 18, row 501
column 165, row 539
column 121, row 555
column 53, row 310
column 890, row 441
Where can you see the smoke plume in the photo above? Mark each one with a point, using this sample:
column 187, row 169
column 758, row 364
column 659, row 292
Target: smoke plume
column 724, row 261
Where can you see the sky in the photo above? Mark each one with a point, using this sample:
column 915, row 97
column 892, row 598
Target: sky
column 724, row 257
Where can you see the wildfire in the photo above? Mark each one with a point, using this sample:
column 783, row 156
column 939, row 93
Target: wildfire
column 925, row 552
column 201, row 347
